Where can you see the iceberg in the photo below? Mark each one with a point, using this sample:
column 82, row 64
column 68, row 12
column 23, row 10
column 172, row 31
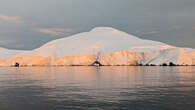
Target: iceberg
column 105, row 45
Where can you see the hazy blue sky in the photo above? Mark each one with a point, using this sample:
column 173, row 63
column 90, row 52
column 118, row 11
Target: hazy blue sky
column 27, row 24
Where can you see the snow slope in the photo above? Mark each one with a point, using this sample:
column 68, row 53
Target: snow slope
column 104, row 40
column 103, row 44
column 6, row 53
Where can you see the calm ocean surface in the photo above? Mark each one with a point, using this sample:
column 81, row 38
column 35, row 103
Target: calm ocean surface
column 97, row 88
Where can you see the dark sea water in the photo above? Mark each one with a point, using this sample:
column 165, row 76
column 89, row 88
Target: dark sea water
column 97, row 88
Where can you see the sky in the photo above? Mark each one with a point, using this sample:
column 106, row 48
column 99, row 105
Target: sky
column 28, row 24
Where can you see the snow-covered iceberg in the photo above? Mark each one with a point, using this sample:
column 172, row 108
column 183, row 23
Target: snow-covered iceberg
column 104, row 45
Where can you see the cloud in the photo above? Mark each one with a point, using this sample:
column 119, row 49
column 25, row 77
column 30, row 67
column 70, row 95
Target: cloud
column 15, row 19
column 54, row 31
column 33, row 26
column 148, row 31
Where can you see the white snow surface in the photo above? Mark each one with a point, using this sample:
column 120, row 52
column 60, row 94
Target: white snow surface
column 101, row 39
column 6, row 53
column 111, row 46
